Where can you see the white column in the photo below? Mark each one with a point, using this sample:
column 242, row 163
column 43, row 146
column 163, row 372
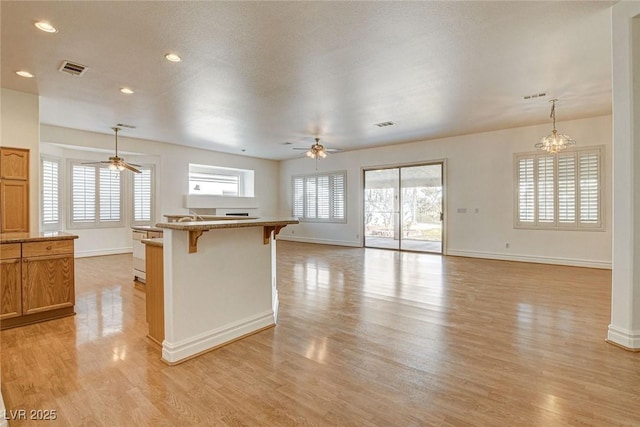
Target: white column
column 624, row 329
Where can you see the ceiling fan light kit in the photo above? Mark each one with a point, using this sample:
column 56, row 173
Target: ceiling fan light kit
column 115, row 162
column 555, row 142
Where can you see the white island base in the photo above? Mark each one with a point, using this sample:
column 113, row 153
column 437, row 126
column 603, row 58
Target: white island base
column 223, row 290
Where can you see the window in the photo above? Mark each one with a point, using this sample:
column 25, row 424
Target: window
column 50, row 195
column 96, row 196
column 142, row 197
column 319, row 197
column 219, row 181
column 561, row 191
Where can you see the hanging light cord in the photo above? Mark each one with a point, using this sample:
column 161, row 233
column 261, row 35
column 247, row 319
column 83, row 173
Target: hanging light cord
column 553, row 113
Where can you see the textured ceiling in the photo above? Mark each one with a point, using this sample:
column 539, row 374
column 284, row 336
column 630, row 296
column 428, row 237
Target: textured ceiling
column 255, row 75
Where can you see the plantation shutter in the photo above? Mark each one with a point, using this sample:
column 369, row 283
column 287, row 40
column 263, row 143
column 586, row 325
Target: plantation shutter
column 298, row 197
column 545, row 190
column 109, row 194
column 589, row 188
column 142, row 196
column 311, row 211
column 567, row 189
column 337, row 196
column 323, row 196
column 559, row 191
column 50, row 193
column 319, row 197
column 526, row 191
column 83, row 195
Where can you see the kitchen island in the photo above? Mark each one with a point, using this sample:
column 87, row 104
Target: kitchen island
column 219, row 282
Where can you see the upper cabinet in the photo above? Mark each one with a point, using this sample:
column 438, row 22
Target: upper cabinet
column 14, row 190
column 14, row 163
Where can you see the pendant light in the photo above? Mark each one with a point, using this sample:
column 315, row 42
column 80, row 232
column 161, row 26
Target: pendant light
column 555, row 141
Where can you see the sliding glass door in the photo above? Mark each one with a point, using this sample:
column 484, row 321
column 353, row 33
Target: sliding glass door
column 403, row 208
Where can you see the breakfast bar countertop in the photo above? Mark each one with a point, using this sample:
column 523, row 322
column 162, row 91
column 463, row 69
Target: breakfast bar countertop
column 227, row 223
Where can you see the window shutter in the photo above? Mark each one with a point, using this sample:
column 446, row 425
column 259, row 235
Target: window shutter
column 589, row 188
column 142, row 196
column 323, row 196
column 319, row 197
column 526, row 196
column 83, row 193
column 310, row 191
column 50, row 195
column 546, row 185
column 567, row 189
column 298, row 197
column 337, row 196
column 109, row 194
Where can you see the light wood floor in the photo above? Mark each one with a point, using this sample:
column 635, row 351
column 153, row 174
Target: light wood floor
column 365, row 337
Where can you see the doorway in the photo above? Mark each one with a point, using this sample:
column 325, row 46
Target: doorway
column 403, row 208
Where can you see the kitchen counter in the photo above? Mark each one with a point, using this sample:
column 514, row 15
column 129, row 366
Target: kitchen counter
column 175, row 218
column 156, row 241
column 197, row 228
column 217, row 290
column 146, row 228
column 35, row 237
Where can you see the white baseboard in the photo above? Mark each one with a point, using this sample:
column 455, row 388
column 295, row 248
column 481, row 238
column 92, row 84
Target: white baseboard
column 624, row 337
column 184, row 349
column 319, row 241
column 101, row 252
column 535, row 259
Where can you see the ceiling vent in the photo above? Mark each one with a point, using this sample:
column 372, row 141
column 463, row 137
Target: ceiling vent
column 384, row 124
column 72, row 68
column 535, row 95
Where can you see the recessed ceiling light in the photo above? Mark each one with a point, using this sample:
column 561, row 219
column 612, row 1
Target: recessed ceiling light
column 46, row 27
column 126, row 90
column 173, row 57
column 26, row 74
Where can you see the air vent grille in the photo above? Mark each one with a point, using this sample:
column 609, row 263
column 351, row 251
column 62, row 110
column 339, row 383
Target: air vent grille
column 384, row 124
column 535, row 95
column 72, row 68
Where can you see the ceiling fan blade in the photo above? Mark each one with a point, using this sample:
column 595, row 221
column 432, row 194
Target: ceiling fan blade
column 295, row 148
column 128, row 166
column 96, row 163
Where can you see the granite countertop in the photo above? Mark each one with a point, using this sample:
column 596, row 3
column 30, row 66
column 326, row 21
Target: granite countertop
column 35, row 236
column 227, row 223
column 154, row 241
column 174, row 218
column 146, row 228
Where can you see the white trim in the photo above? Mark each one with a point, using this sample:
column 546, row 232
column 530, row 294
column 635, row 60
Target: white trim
column 175, row 352
column 101, row 252
column 624, row 337
column 606, row 265
column 352, row 243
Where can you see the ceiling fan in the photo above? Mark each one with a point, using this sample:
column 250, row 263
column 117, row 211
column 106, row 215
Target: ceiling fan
column 318, row 150
column 115, row 162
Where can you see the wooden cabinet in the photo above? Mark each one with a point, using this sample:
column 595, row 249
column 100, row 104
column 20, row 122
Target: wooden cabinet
column 14, row 190
column 37, row 281
column 155, row 292
column 10, row 281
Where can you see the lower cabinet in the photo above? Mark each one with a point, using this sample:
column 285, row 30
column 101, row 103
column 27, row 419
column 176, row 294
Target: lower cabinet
column 10, row 280
column 37, row 282
column 155, row 292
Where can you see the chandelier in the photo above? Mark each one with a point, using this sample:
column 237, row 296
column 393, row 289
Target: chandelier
column 317, row 150
column 555, row 141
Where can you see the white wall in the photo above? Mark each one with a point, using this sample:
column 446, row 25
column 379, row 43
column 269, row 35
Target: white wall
column 172, row 171
column 479, row 175
column 19, row 122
